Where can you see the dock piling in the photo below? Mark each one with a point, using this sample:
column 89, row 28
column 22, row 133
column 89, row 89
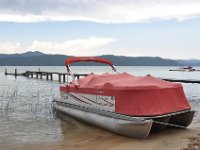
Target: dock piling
column 51, row 76
column 47, row 76
column 40, row 75
column 63, row 77
column 59, row 77
column 6, row 71
column 31, row 74
column 36, row 75
column 15, row 73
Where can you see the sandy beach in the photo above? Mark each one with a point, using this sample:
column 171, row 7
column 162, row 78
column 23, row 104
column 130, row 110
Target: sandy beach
column 172, row 139
column 167, row 140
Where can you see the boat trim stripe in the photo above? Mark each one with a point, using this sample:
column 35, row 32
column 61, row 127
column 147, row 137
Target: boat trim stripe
column 116, row 115
column 88, row 99
column 76, row 98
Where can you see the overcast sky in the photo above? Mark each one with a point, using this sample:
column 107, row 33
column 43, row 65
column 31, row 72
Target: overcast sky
column 165, row 28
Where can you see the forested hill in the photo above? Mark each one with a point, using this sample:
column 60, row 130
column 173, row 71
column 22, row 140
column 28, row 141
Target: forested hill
column 40, row 59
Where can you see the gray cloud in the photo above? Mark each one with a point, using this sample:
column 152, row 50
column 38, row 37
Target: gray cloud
column 106, row 11
column 39, row 6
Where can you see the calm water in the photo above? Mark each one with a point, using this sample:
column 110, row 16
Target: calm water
column 26, row 116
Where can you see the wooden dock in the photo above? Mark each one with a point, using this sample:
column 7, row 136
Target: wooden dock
column 62, row 77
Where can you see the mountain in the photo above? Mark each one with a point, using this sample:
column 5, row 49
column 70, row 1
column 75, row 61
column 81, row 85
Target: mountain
column 40, row 59
column 45, row 60
column 26, row 54
column 140, row 61
column 189, row 62
column 30, row 54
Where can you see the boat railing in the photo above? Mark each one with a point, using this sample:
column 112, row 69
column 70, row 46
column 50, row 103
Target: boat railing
column 69, row 61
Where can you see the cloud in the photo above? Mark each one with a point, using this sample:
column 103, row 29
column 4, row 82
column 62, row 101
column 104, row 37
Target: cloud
column 71, row 47
column 83, row 47
column 104, row 11
column 10, row 47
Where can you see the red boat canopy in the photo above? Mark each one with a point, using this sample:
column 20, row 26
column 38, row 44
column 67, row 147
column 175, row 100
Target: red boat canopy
column 135, row 96
column 87, row 59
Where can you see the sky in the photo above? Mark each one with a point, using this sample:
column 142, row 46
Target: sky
column 163, row 28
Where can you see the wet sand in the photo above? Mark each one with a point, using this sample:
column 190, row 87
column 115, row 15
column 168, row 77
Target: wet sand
column 169, row 140
column 166, row 140
column 79, row 135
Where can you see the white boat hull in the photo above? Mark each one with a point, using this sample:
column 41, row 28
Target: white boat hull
column 133, row 127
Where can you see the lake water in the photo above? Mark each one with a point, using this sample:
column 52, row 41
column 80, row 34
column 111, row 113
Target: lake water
column 27, row 119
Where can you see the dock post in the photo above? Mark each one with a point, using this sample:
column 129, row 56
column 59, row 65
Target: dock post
column 59, row 77
column 36, row 75
column 31, row 74
column 6, row 71
column 15, row 73
column 41, row 75
column 47, row 77
column 51, row 76
column 63, row 77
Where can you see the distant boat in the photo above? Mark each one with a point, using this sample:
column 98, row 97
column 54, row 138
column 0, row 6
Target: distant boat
column 184, row 68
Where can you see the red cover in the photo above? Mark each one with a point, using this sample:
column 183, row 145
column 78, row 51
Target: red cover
column 135, row 96
column 87, row 59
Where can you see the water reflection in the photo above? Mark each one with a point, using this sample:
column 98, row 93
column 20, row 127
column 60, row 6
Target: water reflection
column 26, row 115
column 80, row 135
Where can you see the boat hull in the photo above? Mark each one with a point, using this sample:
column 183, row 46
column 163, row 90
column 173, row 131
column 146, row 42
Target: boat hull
column 179, row 119
column 137, row 128
column 184, row 70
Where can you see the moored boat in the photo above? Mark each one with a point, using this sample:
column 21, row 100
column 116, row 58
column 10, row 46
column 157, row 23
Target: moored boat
column 123, row 103
column 185, row 68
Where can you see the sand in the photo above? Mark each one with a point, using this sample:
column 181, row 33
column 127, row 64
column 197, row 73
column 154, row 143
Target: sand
column 188, row 139
column 81, row 136
column 171, row 139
